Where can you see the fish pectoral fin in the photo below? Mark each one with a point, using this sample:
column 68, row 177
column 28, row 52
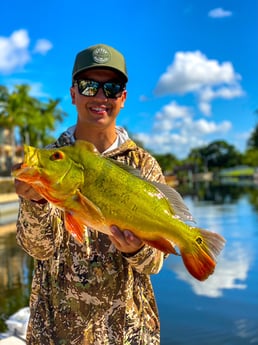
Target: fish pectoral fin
column 93, row 215
column 74, row 225
column 162, row 244
column 85, row 213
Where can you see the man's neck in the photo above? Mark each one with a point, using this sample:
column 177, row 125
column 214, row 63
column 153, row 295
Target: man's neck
column 101, row 139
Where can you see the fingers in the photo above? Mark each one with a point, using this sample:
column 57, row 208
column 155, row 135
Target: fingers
column 16, row 166
column 125, row 241
column 23, row 189
column 26, row 191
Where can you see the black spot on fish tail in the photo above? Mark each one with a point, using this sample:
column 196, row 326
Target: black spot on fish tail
column 200, row 255
column 199, row 240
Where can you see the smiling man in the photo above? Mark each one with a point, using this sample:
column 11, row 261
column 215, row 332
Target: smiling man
column 99, row 291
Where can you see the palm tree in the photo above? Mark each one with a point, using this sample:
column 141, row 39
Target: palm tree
column 27, row 117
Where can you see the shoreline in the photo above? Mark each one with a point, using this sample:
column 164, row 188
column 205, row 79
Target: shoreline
column 8, row 197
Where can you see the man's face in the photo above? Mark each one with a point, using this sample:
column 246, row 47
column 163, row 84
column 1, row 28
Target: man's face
column 97, row 111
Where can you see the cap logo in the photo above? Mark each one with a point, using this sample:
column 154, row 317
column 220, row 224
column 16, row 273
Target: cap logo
column 101, row 55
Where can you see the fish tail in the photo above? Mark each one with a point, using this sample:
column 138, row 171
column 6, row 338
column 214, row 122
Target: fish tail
column 200, row 255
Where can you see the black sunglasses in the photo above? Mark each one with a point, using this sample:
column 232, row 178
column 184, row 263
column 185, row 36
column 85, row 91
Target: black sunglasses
column 90, row 88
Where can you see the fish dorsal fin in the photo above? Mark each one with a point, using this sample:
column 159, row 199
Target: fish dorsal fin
column 174, row 198
column 176, row 201
column 83, row 144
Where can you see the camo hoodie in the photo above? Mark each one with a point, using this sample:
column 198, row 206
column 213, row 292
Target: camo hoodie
column 89, row 293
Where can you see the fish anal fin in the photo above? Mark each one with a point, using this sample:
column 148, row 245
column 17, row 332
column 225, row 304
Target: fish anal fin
column 200, row 258
column 162, row 244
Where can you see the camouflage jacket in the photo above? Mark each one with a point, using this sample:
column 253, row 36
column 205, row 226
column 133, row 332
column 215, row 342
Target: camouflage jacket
column 89, row 293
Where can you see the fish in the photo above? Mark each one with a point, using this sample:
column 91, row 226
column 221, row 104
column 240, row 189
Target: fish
column 98, row 192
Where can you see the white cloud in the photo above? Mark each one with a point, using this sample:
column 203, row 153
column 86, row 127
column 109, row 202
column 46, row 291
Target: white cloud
column 219, row 13
column 175, row 130
column 43, row 46
column 207, row 94
column 193, row 72
column 15, row 52
column 170, row 117
column 20, row 39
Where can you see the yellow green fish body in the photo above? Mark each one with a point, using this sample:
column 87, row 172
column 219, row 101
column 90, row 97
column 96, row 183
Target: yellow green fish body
column 98, row 192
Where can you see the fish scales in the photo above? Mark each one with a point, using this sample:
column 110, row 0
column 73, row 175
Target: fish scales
column 135, row 197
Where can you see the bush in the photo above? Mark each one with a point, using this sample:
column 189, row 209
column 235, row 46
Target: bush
column 6, row 185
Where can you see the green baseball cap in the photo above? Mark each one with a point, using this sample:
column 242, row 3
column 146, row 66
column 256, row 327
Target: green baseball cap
column 100, row 56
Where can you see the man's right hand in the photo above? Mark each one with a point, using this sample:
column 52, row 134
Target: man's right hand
column 24, row 190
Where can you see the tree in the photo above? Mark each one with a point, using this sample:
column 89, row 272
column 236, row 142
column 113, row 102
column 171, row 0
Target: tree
column 10, row 111
column 251, row 157
column 41, row 122
column 252, row 142
column 33, row 118
column 218, row 154
column 167, row 161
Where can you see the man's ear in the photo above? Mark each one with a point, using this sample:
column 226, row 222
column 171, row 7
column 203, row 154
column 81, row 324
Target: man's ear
column 123, row 99
column 72, row 93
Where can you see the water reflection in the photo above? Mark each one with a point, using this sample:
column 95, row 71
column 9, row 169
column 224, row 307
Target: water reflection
column 15, row 277
column 231, row 273
column 223, row 309
column 238, row 254
column 247, row 330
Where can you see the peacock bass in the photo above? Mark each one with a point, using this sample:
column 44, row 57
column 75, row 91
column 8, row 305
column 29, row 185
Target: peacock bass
column 98, row 192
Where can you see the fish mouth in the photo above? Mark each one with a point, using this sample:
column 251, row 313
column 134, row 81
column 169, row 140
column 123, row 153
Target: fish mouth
column 32, row 177
column 29, row 169
column 23, row 171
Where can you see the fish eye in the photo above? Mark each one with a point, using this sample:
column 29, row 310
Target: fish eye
column 58, row 155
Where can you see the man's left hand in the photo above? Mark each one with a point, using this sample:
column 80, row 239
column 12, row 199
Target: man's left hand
column 125, row 241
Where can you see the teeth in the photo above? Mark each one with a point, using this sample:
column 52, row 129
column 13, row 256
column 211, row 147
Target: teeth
column 98, row 108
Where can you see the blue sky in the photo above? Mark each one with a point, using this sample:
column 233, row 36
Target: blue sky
column 192, row 64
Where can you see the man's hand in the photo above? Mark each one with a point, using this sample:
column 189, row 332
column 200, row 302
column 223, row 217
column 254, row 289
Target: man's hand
column 23, row 189
column 125, row 241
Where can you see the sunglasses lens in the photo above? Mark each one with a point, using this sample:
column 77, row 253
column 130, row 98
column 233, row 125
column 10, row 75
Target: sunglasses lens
column 112, row 90
column 90, row 88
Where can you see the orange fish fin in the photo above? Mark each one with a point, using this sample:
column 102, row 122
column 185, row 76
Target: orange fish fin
column 83, row 213
column 162, row 244
column 92, row 214
column 200, row 258
column 74, row 226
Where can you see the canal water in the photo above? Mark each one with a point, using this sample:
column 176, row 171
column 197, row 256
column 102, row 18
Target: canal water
column 222, row 310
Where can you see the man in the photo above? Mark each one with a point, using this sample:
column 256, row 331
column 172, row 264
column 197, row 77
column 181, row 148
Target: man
column 99, row 291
